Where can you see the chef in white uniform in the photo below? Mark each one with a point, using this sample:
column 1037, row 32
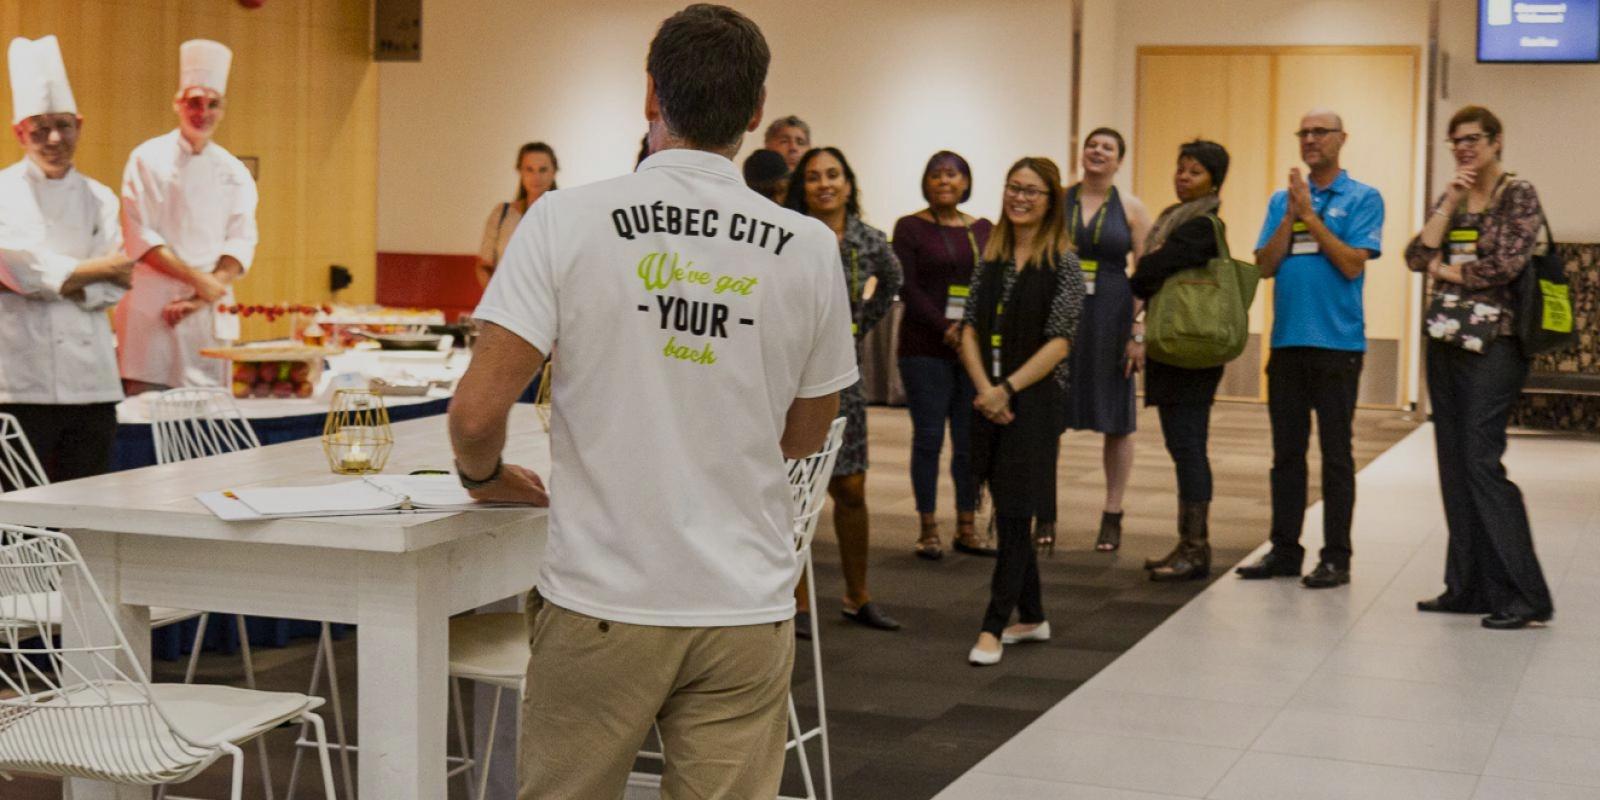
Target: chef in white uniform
column 189, row 218
column 61, row 268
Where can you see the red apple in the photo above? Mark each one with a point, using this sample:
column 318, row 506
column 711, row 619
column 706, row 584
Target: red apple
column 262, row 389
column 267, row 371
column 244, row 371
column 283, row 389
column 241, row 389
column 300, row 370
column 303, row 389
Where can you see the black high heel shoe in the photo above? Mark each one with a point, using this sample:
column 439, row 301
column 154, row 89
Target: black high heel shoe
column 1110, row 533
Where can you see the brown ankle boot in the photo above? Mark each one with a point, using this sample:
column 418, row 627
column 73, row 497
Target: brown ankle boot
column 1192, row 559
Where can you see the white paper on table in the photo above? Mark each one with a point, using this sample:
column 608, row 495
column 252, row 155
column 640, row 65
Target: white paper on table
column 374, row 494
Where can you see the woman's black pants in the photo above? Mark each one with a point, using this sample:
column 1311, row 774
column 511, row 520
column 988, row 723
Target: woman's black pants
column 1491, row 562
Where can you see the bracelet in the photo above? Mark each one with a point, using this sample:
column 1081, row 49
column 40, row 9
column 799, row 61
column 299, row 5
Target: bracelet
column 474, row 483
column 1011, row 391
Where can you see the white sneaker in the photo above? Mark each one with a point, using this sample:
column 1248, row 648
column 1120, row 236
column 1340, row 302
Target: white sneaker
column 983, row 658
column 1041, row 633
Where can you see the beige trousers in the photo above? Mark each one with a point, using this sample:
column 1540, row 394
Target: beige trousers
column 719, row 696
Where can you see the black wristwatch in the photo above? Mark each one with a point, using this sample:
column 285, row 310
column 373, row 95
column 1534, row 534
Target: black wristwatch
column 473, row 483
column 1011, row 391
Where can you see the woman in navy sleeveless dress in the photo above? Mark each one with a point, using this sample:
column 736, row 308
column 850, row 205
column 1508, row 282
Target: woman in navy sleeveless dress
column 1105, row 224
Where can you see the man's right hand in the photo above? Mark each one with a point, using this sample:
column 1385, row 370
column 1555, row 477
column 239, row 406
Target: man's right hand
column 516, row 484
column 206, row 286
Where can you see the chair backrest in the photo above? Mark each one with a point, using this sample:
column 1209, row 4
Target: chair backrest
column 19, row 466
column 197, row 422
column 808, row 483
column 84, row 710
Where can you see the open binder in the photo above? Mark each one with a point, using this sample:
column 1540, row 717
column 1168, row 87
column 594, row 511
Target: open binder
column 372, row 494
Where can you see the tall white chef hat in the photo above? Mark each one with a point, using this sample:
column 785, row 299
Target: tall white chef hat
column 203, row 63
column 38, row 79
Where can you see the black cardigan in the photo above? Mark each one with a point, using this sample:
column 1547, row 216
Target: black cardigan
column 1191, row 245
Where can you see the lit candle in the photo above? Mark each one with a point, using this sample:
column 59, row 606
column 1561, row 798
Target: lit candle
column 356, row 460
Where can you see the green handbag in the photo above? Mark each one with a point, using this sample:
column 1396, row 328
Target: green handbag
column 1200, row 317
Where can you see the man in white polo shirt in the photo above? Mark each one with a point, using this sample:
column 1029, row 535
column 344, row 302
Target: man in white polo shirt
column 704, row 335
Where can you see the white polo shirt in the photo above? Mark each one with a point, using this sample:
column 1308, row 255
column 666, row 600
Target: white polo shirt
column 688, row 313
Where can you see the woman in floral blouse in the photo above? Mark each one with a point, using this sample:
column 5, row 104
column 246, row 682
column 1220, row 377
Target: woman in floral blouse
column 1478, row 239
column 824, row 186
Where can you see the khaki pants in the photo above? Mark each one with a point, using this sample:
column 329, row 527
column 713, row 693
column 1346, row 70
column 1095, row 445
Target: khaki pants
column 719, row 695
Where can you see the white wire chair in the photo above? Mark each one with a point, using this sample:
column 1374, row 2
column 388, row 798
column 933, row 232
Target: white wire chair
column 456, row 765
column 196, row 422
column 808, row 487
column 19, row 466
column 89, row 710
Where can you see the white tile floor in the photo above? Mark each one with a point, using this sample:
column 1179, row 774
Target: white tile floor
column 1266, row 691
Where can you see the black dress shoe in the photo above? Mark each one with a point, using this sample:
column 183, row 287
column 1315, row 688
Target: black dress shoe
column 870, row 615
column 802, row 625
column 1511, row 620
column 1326, row 576
column 1450, row 604
column 1272, row 565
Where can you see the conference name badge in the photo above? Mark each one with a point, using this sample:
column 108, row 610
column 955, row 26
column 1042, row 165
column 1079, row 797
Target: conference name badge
column 1091, row 270
column 1301, row 242
column 1461, row 246
column 955, row 305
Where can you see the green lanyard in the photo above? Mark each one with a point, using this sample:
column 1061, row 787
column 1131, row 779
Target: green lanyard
column 995, row 338
column 972, row 241
column 1099, row 216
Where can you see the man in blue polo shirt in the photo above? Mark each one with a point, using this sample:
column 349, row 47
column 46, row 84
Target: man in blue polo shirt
column 1316, row 242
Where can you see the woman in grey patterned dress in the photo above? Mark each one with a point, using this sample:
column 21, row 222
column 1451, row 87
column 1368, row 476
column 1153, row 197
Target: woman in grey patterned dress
column 824, row 187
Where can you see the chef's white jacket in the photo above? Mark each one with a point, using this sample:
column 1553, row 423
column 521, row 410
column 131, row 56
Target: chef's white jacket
column 54, row 350
column 202, row 206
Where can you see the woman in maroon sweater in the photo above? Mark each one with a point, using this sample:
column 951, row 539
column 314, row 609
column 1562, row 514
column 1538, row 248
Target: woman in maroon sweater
column 938, row 248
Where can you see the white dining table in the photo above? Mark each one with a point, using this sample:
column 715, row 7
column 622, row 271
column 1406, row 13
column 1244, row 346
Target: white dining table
column 398, row 577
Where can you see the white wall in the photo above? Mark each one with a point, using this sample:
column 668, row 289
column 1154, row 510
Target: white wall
column 1551, row 114
column 887, row 82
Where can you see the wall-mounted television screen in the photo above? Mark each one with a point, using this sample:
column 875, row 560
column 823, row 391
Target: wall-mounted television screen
column 1539, row 31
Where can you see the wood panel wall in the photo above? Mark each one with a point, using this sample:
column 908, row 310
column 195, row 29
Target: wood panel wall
column 302, row 98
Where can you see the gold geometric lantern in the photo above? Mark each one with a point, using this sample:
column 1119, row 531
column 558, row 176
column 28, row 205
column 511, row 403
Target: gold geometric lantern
column 357, row 437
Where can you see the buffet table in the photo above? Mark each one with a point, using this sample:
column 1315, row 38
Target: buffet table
column 147, row 541
column 278, row 420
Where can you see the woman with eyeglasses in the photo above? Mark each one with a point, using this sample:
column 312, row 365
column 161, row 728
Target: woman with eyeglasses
column 1020, row 320
column 939, row 247
column 536, row 174
column 824, row 186
column 1477, row 242
column 1184, row 237
column 1107, row 228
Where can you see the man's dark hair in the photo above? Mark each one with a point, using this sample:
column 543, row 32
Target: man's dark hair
column 764, row 171
column 1212, row 156
column 709, row 63
column 797, row 182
